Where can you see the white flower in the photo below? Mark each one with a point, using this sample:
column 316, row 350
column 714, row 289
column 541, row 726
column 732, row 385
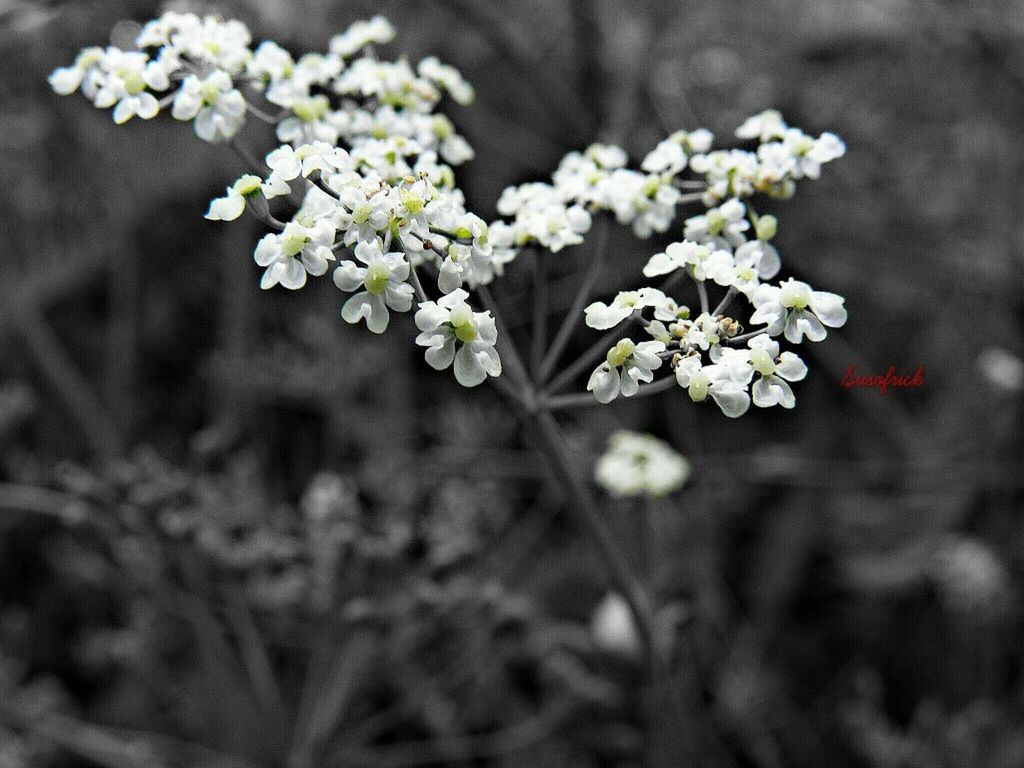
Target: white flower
column 774, row 371
column 613, row 628
column 453, row 333
column 1001, row 368
column 607, row 156
column 764, row 127
column 293, row 253
column 728, row 221
column 726, row 382
column 232, row 205
column 640, row 465
column 668, row 157
column 383, row 280
column 66, row 80
column 361, row 34
column 604, row 316
column 448, row 77
column 637, row 363
column 217, row 107
column 794, row 308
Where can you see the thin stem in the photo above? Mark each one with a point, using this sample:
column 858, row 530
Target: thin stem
column 672, row 279
column 588, row 358
column 726, row 300
column 247, row 156
column 570, row 320
column 702, row 291
column 259, row 114
column 540, row 314
column 692, row 197
column 745, row 336
column 518, row 368
column 585, row 510
column 586, row 400
column 414, row 278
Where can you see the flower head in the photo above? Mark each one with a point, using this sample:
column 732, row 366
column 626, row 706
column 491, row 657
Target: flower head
column 640, row 465
column 453, row 333
column 382, row 279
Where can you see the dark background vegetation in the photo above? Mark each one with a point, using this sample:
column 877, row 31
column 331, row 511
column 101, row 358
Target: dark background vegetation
column 236, row 532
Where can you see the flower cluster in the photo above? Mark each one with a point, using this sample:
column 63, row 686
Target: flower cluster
column 363, row 181
column 640, row 465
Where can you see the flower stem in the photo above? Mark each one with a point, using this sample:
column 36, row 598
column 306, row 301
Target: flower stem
column 539, row 331
column 572, row 317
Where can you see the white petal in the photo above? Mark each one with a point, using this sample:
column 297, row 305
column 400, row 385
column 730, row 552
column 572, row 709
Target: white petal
column 733, row 400
column 441, row 356
column 293, row 275
column 226, row 208
column 829, row 308
column 147, row 107
column 791, row 367
column 604, row 383
column 469, row 369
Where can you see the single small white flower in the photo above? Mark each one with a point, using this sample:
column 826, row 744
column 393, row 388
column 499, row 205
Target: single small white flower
column 448, row 77
column 232, row 205
column 613, row 628
column 727, row 221
column 764, row 127
column 361, row 34
column 383, row 280
column 774, row 372
column 668, row 157
column 637, row 363
column 293, row 253
column 795, row 309
column 725, row 382
column 640, row 465
column 214, row 103
column 1001, row 368
column 453, row 333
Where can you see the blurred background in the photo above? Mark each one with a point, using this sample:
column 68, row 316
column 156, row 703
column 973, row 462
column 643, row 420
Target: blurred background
column 235, row 531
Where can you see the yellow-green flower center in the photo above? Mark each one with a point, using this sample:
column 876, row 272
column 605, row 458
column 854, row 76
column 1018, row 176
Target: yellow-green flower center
column 209, row 92
column 762, row 362
column 361, row 214
column 618, row 354
column 716, row 221
column 698, row 389
column 292, row 242
column 377, row 276
column 133, row 82
column 311, row 109
column 461, row 319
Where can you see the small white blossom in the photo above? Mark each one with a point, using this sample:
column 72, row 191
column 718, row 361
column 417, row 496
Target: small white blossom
column 361, row 34
column 453, row 333
column 232, row 205
column 774, row 371
column 217, row 107
column 725, row 382
column 640, row 465
column 383, row 282
column 293, row 253
column 625, row 366
column 795, row 309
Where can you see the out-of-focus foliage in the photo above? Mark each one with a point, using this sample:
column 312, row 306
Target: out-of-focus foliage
column 295, row 568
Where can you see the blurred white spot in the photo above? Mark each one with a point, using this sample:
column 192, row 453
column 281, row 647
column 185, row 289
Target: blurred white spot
column 612, row 626
column 1002, row 369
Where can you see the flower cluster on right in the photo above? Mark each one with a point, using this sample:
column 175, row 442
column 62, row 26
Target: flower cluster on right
column 710, row 353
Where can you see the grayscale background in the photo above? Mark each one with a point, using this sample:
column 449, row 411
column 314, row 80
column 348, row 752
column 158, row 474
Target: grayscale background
column 236, row 532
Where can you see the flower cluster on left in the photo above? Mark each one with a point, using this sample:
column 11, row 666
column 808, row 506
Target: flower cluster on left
column 362, row 178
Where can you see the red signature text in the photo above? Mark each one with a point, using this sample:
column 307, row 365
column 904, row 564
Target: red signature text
column 883, row 383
